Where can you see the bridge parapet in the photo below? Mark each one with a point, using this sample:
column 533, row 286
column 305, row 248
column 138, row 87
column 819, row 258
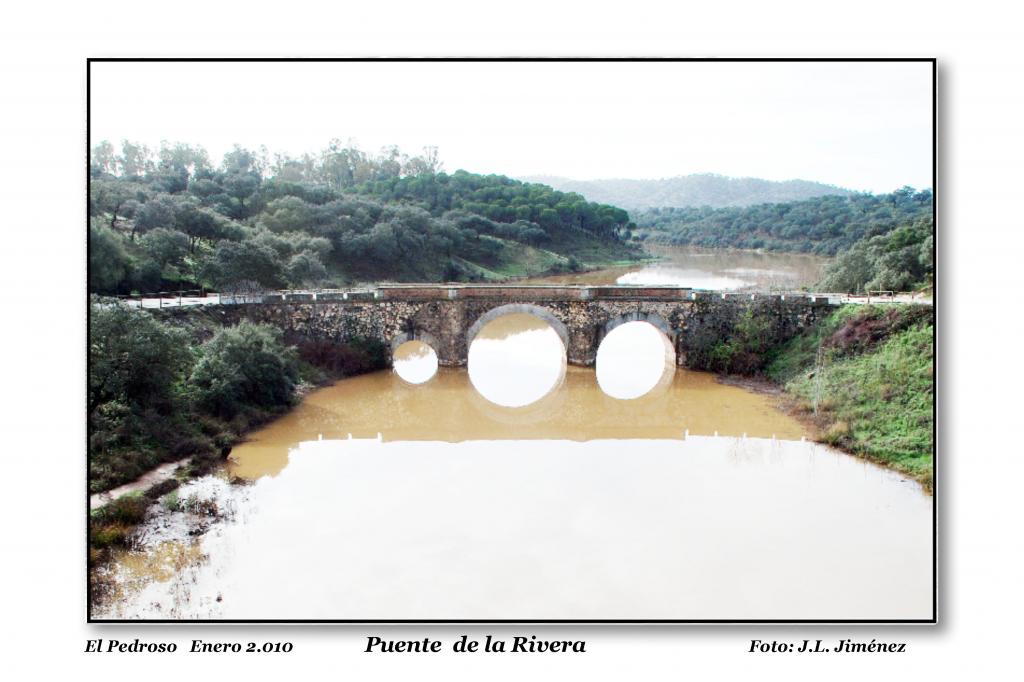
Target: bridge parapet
column 527, row 293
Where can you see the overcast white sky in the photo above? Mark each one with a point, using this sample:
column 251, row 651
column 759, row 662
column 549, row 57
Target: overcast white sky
column 865, row 126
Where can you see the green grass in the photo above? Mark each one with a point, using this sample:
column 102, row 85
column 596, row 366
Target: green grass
column 515, row 260
column 871, row 394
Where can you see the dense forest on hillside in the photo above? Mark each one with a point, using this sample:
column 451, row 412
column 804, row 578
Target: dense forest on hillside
column 824, row 225
column 900, row 260
column 703, row 189
column 171, row 217
column 881, row 242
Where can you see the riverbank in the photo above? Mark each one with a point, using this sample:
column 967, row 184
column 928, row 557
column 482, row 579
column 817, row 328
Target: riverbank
column 168, row 399
column 863, row 380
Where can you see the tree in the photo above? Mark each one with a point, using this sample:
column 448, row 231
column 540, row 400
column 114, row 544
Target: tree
column 109, row 262
column 305, row 268
column 136, row 160
column 103, row 160
column 243, row 174
column 180, row 157
column 288, row 214
column 158, row 211
column 200, row 223
column 166, row 246
column 133, row 359
column 242, row 261
column 109, row 195
column 427, row 163
column 244, row 366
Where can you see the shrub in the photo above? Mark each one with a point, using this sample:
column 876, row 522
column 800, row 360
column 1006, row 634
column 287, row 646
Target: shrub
column 170, row 501
column 133, row 358
column 245, row 365
column 109, row 262
column 110, row 535
column 127, row 510
column 344, row 359
column 162, row 489
column 732, row 341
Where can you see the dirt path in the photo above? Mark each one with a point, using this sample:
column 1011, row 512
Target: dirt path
column 142, row 483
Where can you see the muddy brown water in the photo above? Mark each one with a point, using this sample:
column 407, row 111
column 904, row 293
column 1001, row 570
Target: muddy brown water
column 715, row 269
column 379, row 498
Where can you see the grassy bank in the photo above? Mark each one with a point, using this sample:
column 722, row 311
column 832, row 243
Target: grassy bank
column 864, row 377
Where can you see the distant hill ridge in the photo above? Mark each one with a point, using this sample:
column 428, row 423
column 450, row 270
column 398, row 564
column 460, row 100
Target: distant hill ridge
column 700, row 189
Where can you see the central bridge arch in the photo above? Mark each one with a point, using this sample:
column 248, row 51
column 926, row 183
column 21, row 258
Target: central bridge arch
column 512, row 308
column 655, row 320
column 671, row 336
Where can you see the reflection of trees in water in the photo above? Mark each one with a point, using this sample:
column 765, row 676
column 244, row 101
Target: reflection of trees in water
column 514, row 324
column 412, row 350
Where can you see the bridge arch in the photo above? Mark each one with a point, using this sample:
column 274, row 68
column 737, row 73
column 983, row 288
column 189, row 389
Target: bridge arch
column 415, row 335
column 654, row 319
column 511, row 308
column 633, row 367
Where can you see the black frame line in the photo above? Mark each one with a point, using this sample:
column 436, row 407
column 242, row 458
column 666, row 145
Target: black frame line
column 726, row 621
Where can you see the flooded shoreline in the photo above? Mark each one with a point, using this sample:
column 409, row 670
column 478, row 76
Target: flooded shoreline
column 523, row 488
column 377, row 498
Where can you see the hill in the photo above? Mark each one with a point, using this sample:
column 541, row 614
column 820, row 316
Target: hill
column 168, row 219
column 823, row 225
column 704, row 189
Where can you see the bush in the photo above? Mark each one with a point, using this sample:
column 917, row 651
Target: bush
column 170, row 501
column 242, row 366
column 165, row 246
column 733, row 339
column 111, row 535
column 109, row 262
column 162, row 489
column 344, row 359
column 133, row 358
column 127, row 510
column 233, row 262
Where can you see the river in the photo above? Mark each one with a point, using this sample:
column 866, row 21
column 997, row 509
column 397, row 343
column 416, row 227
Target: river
column 716, row 269
column 522, row 488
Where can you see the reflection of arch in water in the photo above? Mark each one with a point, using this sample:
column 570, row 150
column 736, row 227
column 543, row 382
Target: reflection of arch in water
column 410, row 370
column 668, row 341
column 524, row 308
column 516, row 376
column 537, row 411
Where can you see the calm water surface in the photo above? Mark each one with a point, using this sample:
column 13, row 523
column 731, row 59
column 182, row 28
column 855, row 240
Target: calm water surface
column 716, row 269
column 634, row 492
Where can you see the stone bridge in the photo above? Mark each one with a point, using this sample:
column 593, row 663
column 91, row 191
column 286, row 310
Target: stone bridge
column 447, row 317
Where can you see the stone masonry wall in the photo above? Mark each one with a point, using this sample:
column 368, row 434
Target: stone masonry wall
column 584, row 315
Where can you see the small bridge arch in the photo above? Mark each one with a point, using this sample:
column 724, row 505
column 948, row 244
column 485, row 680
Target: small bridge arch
column 512, row 308
column 415, row 335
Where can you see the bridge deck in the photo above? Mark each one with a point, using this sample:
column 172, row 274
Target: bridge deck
column 518, row 292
